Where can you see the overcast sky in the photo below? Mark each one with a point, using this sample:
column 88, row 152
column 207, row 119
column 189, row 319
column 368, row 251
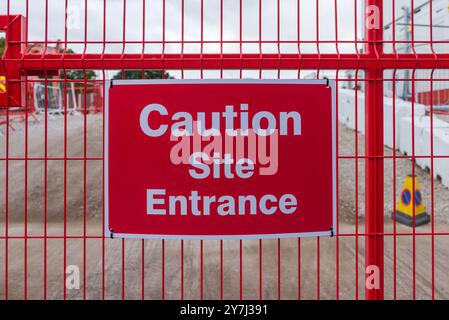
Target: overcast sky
column 192, row 23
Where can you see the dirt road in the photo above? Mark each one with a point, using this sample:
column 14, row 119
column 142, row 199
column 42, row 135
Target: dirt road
column 152, row 277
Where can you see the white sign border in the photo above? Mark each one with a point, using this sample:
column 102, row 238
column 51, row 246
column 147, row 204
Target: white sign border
column 332, row 230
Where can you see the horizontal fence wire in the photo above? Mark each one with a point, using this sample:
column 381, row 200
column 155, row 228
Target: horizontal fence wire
column 60, row 56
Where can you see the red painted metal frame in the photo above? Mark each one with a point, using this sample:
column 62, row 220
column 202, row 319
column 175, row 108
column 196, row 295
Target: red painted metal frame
column 374, row 142
column 16, row 64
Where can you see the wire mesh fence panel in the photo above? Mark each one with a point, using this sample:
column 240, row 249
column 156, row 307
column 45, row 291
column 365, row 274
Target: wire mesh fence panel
column 390, row 61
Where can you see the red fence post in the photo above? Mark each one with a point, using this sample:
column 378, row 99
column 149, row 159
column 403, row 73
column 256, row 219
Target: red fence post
column 374, row 145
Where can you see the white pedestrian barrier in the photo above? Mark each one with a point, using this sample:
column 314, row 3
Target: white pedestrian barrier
column 403, row 130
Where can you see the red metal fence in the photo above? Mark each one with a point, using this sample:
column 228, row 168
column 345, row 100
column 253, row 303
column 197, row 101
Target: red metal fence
column 52, row 212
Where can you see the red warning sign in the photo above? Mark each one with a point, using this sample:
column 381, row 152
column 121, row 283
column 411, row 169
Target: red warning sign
column 220, row 159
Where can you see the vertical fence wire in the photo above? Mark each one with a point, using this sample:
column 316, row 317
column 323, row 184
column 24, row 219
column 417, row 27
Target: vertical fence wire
column 393, row 11
column 7, row 183
column 432, row 189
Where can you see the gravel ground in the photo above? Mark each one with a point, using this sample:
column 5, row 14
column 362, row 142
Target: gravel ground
column 444, row 117
column 54, row 181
